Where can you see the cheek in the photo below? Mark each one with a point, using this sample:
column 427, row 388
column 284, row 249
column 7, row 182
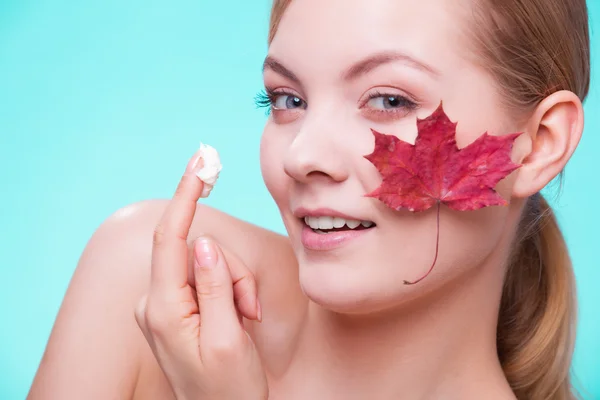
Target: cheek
column 469, row 237
column 272, row 149
column 466, row 241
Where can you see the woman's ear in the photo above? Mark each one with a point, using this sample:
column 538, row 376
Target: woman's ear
column 554, row 131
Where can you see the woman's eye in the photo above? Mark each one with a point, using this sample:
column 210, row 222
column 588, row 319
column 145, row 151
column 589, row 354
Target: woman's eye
column 286, row 102
column 389, row 102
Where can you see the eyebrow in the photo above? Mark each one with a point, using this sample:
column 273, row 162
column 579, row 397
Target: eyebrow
column 360, row 68
column 369, row 63
column 276, row 66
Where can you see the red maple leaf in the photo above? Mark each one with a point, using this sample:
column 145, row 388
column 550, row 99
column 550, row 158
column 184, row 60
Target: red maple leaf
column 435, row 171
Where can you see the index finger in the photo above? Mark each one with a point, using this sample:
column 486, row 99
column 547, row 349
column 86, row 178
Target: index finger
column 169, row 250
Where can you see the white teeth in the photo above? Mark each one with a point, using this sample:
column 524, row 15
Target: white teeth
column 327, row 223
column 338, row 222
column 313, row 222
column 352, row 223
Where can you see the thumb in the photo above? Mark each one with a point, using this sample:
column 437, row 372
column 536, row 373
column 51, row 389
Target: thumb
column 214, row 287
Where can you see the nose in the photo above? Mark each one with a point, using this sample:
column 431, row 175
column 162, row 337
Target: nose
column 316, row 152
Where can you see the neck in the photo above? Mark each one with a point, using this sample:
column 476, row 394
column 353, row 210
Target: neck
column 442, row 347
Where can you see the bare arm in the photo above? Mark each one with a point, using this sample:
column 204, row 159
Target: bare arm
column 95, row 348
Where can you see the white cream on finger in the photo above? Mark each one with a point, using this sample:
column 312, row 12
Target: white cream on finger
column 211, row 167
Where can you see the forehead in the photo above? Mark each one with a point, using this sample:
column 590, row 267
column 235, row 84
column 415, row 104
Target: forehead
column 330, row 34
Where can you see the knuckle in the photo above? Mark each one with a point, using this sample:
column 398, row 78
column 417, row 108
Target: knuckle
column 158, row 236
column 158, row 327
column 181, row 186
column 224, row 349
column 210, row 289
column 140, row 312
column 158, row 322
column 245, row 286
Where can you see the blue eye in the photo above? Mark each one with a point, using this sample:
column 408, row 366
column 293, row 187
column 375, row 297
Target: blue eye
column 278, row 100
column 386, row 102
column 283, row 101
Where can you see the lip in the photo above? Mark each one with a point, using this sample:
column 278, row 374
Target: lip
column 324, row 212
column 329, row 241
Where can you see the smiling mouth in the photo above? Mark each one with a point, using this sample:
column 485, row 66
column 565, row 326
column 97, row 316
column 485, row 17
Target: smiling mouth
column 325, row 225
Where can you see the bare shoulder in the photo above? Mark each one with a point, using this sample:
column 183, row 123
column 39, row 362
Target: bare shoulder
column 93, row 349
column 96, row 350
column 248, row 241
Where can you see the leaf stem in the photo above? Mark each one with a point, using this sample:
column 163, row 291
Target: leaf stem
column 437, row 247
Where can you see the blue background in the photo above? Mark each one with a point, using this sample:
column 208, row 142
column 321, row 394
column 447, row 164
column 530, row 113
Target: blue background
column 103, row 102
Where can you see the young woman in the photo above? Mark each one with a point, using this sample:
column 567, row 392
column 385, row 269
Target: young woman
column 231, row 311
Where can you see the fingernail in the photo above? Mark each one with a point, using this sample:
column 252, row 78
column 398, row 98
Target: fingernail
column 206, row 254
column 206, row 189
column 258, row 310
column 193, row 163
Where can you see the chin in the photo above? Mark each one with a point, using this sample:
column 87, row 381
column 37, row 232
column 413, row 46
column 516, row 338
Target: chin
column 354, row 287
column 347, row 289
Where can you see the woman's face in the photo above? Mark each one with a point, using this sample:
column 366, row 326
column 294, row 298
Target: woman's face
column 336, row 69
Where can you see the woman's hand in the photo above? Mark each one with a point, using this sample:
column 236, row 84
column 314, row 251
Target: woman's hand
column 196, row 333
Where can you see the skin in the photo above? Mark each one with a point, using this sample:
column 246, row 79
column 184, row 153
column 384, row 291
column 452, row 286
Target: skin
column 336, row 324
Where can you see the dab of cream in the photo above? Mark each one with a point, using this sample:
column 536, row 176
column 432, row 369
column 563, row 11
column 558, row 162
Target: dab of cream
column 211, row 166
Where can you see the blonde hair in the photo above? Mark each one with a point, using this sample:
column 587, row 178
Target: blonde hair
column 533, row 48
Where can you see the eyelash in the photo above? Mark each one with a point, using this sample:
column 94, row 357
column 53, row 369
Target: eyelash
column 266, row 97
column 408, row 105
